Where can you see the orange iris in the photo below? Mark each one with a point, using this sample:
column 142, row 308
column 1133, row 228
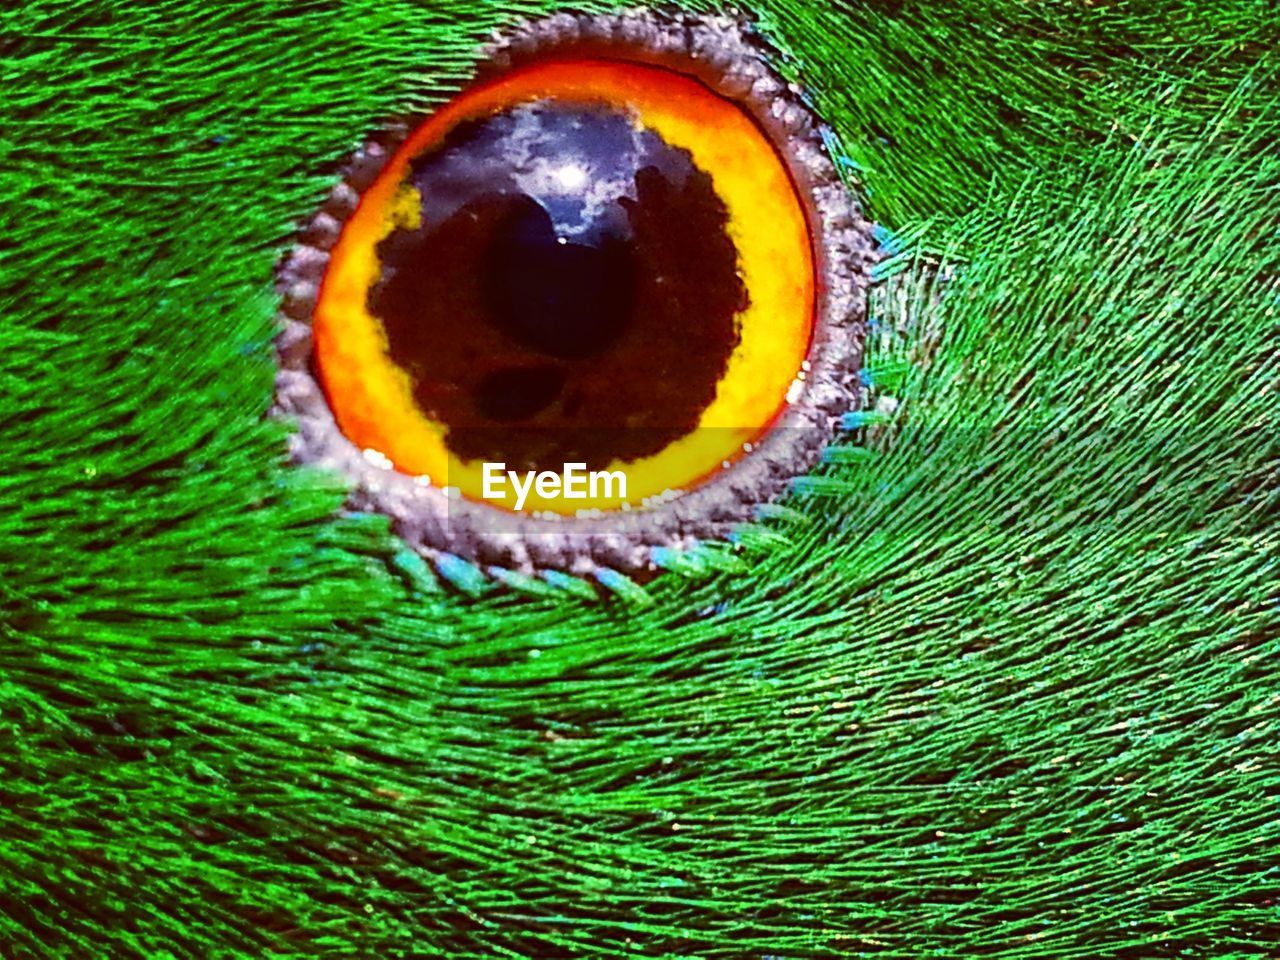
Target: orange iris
column 373, row 398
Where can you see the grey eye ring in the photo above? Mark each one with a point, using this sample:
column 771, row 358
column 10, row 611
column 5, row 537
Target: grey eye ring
column 566, row 267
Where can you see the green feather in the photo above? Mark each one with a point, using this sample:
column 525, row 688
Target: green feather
column 999, row 679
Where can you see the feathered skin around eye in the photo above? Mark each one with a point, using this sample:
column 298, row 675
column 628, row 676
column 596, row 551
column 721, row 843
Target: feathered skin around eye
column 999, row 680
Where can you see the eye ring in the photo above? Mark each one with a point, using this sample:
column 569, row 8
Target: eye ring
column 729, row 59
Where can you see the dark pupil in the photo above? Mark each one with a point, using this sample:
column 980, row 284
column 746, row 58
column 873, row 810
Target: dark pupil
column 571, row 294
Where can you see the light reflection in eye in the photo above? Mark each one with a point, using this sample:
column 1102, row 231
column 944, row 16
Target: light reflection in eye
column 571, row 177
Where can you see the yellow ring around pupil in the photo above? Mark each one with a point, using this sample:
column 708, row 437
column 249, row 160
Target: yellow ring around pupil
column 372, row 397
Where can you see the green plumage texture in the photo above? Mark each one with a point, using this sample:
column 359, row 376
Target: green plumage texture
column 1000, row 679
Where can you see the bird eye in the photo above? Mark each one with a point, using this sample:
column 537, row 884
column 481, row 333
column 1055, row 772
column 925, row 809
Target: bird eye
column 615, row 254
